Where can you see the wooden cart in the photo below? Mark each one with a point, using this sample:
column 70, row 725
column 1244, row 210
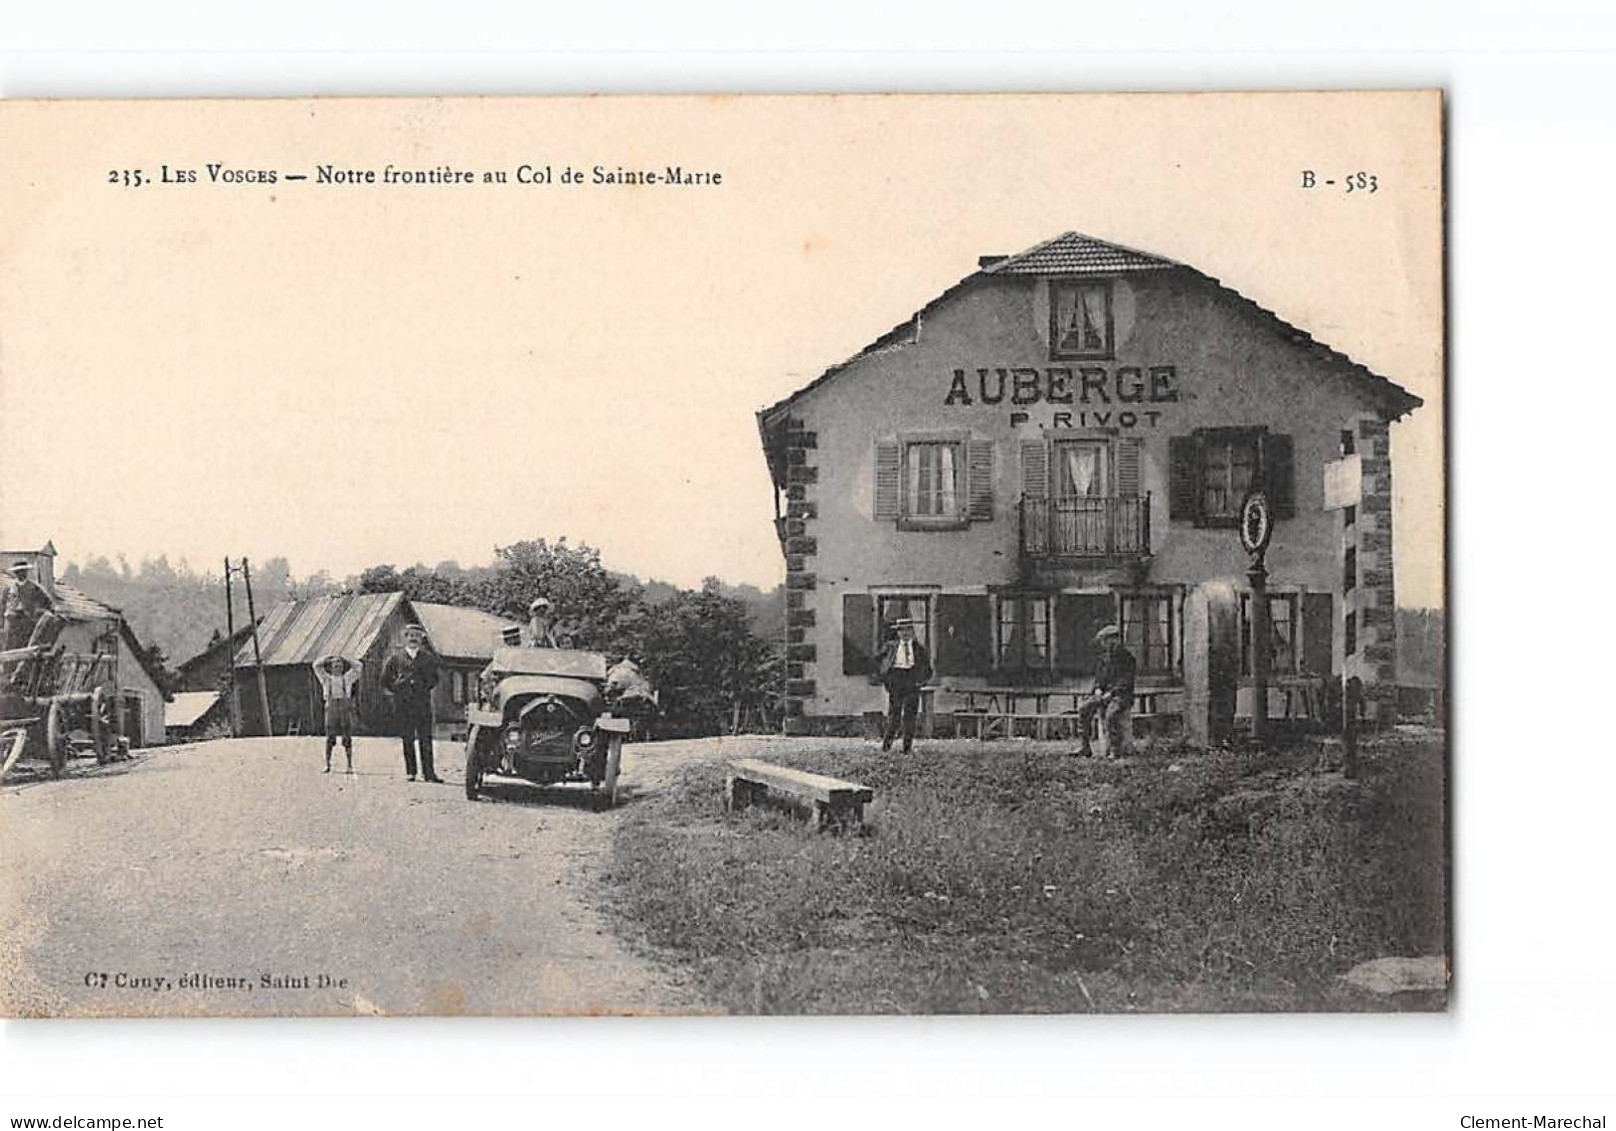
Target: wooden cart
column 55, row 703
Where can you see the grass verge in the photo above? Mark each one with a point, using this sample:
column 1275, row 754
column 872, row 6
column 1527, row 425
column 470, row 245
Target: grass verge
column 1006, row 877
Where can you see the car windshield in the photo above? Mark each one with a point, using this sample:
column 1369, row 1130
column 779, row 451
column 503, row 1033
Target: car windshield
column 549, row 661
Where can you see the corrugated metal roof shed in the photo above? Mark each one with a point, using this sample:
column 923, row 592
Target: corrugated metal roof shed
column 460, row 632
column 1073, row 253
column 300, row 632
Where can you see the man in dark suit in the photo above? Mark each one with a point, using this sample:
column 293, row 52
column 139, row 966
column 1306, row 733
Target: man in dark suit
column 408, row 677
column 1112, row 698
column 904, row 668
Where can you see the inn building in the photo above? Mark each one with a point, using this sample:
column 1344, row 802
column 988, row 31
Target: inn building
column 1064, row 440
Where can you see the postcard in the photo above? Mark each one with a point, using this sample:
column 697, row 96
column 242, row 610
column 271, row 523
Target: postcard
column 723, row 555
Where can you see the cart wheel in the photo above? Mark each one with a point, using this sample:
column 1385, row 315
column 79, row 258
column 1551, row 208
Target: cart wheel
column 614, row 764
column 474, row 768
column 56, row 739
column 11, row 747
column 101, row 724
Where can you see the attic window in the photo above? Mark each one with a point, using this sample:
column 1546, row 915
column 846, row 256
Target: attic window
column 1080, row 322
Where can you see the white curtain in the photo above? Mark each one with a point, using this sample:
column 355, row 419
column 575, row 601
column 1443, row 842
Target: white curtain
column 1082, row 467
column 947, row 495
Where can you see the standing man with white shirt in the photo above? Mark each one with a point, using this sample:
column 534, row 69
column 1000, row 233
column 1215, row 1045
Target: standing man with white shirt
column 904, row 668
column 338, row 678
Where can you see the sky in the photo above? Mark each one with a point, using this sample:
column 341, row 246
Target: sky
column 351, row 374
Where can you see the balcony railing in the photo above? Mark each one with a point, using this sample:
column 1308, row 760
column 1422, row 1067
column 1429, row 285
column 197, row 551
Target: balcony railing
column 1085, row 527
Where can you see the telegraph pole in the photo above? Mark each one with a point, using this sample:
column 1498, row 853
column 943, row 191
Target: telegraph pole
column 258, row 655
column 233, row 706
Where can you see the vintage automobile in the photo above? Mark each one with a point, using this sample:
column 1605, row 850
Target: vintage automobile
column 541, row 716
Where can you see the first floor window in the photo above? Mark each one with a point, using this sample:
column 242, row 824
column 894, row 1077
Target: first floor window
column 1023, row 633
column 933, row 470
column 1281, row 633
column 1147, row 630
column 1228, row 466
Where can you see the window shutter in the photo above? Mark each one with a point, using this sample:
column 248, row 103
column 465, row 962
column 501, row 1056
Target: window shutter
column 1034, row 469
column 964, row 644
column 1279, row 473
column 1318, row 627
column 1078, row 616
column 1128, row 467
column 888, row 471
column 858, row 633
column 1183, row 457
column 981, row 480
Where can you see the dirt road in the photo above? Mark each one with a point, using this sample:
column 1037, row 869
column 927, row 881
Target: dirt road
column 234, row 878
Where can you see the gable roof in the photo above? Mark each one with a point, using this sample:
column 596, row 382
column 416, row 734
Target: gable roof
column 221, row 644
column 460, row 632
column 300, row 632
column 75, row 604
column 1074, row 253
column 188, row 707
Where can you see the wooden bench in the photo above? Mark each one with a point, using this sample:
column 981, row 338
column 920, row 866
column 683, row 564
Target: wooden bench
column 1045, row 721
column 827, row 802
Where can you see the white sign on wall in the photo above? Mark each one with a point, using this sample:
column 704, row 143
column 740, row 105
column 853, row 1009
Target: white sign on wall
column 1343, row 482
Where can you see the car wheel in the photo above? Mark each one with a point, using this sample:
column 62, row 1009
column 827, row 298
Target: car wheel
column 614, row 765
column 56, row 739
column 474, row 766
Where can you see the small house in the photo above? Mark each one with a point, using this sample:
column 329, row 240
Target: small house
column 464, row 640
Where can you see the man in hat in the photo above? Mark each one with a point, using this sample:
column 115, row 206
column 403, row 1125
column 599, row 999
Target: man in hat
column 629, row 694
column 25, row 602
column 1112, row 698
column 540, row 631
column 338, row 678
column 408, row 677
column 904, row 668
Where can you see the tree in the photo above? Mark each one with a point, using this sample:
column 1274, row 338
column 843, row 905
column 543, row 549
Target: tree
column 380, row 579
column 590, row 603
column 699, row 649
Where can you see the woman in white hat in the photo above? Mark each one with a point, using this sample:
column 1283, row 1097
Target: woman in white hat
column 540, row 630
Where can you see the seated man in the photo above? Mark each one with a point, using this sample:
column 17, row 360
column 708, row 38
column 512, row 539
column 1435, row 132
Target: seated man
column 1112, row 697
column 628, row 692
column 24, row 602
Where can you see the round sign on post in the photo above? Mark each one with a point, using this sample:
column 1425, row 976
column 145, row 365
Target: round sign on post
column 1256, row 523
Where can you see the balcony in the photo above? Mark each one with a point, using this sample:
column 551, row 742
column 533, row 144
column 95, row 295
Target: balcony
column 1086, row 530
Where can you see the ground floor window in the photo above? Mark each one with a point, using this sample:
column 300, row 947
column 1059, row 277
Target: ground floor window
column 1022, row 633
column 1282, row 622
column 893, row 607
column 1146, row 620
